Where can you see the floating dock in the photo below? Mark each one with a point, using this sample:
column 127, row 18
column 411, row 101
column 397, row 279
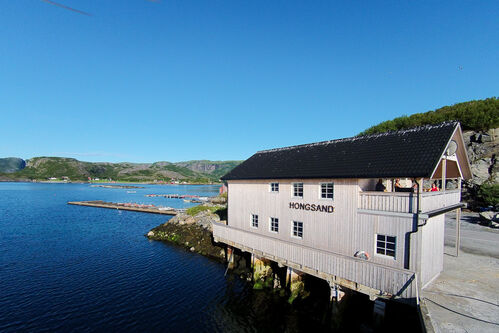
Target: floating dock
column 127, row 206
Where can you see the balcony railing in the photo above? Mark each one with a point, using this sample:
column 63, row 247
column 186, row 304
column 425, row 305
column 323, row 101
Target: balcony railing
column 380, row 277
column 403, row 202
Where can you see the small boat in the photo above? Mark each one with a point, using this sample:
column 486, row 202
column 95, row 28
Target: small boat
column 131, row 191
column 166, row 208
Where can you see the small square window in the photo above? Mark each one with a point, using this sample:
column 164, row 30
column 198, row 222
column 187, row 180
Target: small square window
column 327, row 190
column 254, row 220
column 386, row 245
column 274, row 187
column 274, row 224
column 297, row 229
column 298, row 190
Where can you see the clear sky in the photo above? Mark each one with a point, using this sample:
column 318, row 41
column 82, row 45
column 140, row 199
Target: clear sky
column 146, row 81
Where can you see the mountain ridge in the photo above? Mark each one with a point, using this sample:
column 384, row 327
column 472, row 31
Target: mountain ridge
column 44, row 167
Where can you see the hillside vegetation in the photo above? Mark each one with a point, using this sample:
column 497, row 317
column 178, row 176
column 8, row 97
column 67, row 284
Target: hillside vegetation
column 41, row 168
column 476, row 115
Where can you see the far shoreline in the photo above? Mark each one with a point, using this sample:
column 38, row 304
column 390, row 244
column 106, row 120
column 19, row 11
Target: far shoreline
column 94, row 183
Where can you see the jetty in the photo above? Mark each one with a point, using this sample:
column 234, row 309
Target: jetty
column 117, row 186
column 128, row 206
column 172, row 196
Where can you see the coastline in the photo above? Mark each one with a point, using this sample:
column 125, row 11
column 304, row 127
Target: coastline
column 3, row 180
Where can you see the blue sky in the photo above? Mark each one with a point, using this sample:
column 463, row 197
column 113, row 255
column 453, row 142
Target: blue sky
column 146, row 81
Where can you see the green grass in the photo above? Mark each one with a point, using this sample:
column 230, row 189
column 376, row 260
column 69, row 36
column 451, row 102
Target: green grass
column 201, row 208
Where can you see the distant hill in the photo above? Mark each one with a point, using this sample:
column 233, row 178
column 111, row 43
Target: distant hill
column 214, row 168
column 11, row 164
column 479, row 115
column 58, row 167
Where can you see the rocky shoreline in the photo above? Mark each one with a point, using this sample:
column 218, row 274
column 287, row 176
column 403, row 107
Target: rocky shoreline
column 194, row 233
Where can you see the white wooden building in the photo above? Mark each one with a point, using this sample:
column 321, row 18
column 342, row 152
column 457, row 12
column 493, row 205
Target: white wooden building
column 314, row 208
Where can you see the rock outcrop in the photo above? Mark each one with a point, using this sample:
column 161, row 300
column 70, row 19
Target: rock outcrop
column 483, row 152
column 194, row 233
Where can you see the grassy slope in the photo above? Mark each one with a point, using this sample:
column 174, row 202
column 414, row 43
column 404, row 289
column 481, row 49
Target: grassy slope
column 473, row 115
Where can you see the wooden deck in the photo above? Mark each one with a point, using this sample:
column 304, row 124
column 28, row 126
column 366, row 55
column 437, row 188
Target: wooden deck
column 355, row 273
column 113, row 205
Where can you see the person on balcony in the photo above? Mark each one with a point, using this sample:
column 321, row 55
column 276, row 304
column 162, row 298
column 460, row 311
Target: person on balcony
column 434, row 188
column 397, row 186
column 415, row 185
column 379, row 186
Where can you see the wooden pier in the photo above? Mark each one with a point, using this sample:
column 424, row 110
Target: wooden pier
column 131, row 207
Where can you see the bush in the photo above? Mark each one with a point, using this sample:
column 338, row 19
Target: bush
column 488, row 194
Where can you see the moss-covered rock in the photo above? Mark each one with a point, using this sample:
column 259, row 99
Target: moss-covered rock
column 297, row 288
column 192, row 237
column 262, row 274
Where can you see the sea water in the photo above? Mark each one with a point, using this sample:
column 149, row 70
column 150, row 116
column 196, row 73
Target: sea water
column 74, row 268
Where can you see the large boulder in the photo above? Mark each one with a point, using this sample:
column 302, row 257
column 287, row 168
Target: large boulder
column 489, row 218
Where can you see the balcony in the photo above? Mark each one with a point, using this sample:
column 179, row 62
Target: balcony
column 403, row 202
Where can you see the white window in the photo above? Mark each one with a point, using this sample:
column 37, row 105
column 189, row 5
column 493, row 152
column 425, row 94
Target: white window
column 297, row 229
column 385, row 245
column 327, row 190
column 274, row 224
column 254, row 220
column 298, row 190
column 274, row 187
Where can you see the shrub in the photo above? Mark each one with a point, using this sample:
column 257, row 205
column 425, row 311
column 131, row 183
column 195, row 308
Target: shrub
column 488, row 194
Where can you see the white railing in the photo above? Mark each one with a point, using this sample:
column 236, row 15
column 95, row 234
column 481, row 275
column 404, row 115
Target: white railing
column 391, row 280
column 400, row 202
column 436, row 200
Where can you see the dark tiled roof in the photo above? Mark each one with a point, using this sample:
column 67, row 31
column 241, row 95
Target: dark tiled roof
column 409, row 153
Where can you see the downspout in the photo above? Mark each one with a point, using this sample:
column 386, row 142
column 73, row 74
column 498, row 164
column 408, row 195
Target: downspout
column 415, row 227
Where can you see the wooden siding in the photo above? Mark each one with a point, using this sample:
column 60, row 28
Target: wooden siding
column 399, row 202
column 432, row 244
column 368, row 226
column 380, row 277
column 346, row 231
column 327, row 231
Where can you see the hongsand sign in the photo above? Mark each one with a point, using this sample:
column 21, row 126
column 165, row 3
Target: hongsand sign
column 312, row 207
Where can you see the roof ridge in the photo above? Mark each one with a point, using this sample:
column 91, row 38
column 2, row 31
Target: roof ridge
column 355, row 138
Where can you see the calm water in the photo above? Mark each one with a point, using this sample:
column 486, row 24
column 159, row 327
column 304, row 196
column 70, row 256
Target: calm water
column 72, row 268
column 67, row 267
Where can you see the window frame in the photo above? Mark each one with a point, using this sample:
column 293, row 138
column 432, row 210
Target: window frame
column 271, row 187
column 320, row 190
column 385, row 249
column 252, row 221
column 302, row 190
column 293, row 229
column 274, row 220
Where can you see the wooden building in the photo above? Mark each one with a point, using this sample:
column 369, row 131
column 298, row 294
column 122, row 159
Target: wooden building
column 314, row 207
